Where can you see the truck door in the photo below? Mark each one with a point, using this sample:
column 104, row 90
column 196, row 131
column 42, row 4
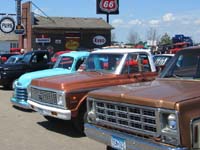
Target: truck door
column 39, row 61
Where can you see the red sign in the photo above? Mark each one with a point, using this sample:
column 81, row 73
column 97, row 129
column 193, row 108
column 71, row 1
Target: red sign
column 108, row 6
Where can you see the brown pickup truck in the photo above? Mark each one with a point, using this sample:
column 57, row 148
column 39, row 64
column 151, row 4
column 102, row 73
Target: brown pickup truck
column 64, row 96
column 163, row 114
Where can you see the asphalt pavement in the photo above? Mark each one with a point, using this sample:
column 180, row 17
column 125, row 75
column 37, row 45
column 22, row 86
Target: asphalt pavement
column 28, row 130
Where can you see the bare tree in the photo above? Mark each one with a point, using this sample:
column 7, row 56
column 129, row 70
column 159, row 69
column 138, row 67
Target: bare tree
column 152, row 34
column 133, row 37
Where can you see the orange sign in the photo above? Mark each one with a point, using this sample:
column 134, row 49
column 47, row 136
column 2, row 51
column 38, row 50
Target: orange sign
column 72, row 40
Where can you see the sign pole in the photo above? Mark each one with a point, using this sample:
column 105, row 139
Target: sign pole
column 19, row 27
column 18, row 10
column 107, row 15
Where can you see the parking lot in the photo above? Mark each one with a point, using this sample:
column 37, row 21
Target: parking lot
column 25, row 130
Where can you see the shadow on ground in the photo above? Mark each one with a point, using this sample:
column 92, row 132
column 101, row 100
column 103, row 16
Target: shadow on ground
column 62, row 127
column 24, row 110
column 5, row 88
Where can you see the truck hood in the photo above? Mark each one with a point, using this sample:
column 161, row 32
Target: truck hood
column 76, row 81
column 160, row 93
column 25, row 79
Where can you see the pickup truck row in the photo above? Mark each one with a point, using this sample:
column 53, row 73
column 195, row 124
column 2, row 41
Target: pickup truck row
column 117, row 98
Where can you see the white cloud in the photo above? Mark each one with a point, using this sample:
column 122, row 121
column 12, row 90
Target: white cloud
column 168, row 17
column 117, row 22
column 154, row 22
column 197, row 22
column 135, row 22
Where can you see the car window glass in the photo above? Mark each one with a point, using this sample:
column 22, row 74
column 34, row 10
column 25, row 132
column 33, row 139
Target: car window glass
column 64, row 62
column 103, row 62
column 186, row 65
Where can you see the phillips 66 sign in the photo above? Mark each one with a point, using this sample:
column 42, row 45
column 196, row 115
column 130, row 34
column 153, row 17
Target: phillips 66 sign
column 107, row 6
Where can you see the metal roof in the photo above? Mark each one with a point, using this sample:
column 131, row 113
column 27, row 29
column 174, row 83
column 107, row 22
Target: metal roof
column 121, row 50
column 70, row 23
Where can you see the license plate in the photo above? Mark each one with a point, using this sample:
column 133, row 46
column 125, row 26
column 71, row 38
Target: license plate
column 118, row 143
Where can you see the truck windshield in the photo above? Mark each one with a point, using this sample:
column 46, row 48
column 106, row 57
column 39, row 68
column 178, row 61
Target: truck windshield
column 185, row 65
column 103, row 62
column 64, row 62
column 14, row 59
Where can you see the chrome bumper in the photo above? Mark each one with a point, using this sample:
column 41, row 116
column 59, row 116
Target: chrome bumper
column 131, row 142
column 50, row 111
column 20, row 103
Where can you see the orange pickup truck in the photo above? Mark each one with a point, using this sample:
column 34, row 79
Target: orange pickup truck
column 163, row 114
column 64, row 96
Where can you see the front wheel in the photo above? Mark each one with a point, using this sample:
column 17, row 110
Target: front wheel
column 79, row 122
column 110, row 148
column 8, row 86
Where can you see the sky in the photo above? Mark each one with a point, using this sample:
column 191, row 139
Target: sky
column 135, row 16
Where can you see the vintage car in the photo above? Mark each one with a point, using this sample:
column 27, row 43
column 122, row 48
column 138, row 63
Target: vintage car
column 161, row 60
column 159, row 115
column 66, row 63
column 32, row 61
column 57, row 54
column 64, row 96
column 14, row 59
column 4, row 57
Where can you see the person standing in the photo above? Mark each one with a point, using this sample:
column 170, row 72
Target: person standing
column 50, row 50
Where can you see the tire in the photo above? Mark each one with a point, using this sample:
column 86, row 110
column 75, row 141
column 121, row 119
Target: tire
column 8, row 86
column 109, row 148
column 79, row 122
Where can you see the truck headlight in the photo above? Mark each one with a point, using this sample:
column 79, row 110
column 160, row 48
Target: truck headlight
column 61, row 99
column 91, row 116
column 169, row 127
column 172, row 124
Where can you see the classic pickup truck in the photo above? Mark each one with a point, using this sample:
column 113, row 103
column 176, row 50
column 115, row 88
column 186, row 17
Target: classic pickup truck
column 64, row 96
column 65, row 64
column 32, row 61
column 163, row 114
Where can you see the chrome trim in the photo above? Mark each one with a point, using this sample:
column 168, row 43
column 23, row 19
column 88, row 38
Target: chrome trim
column 20, row 93
column 192, row 122
column 145, row 127
column 177, row 121
column 44, row 110
column 20, row 105
column 48, row 90
column 155, row 120
column 104, row 135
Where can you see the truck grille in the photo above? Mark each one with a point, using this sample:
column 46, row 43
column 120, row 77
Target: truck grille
column 21, row 93
column 43, row 96
column 128, row 117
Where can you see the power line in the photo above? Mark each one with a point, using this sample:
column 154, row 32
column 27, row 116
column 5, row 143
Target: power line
column 42, row 12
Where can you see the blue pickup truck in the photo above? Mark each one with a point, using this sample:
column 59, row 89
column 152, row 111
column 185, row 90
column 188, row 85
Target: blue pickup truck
column 66, row 63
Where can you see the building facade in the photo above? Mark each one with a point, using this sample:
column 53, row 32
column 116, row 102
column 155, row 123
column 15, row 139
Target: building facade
column 62, row 32
column 8, row 41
